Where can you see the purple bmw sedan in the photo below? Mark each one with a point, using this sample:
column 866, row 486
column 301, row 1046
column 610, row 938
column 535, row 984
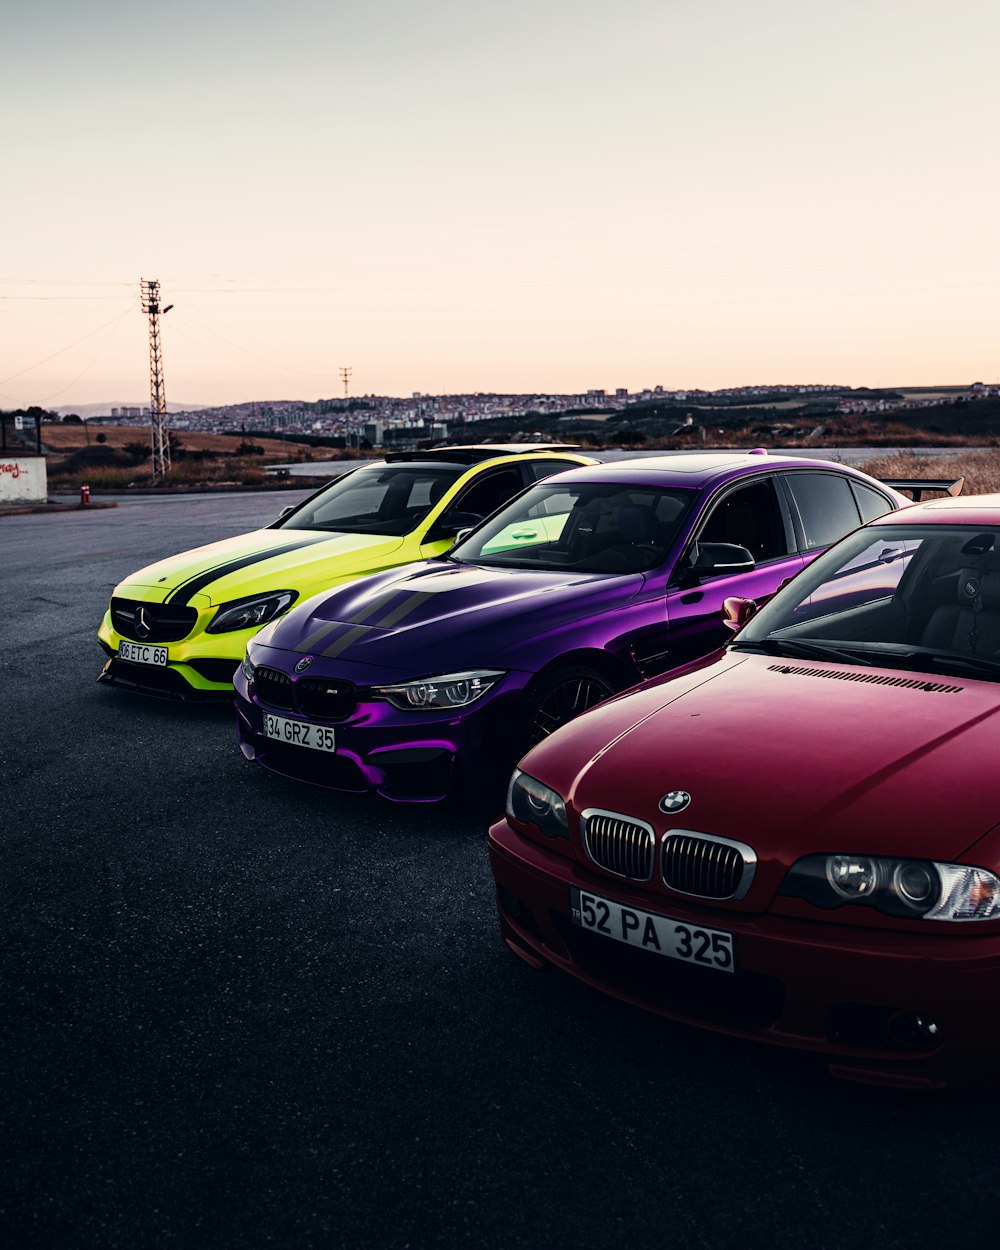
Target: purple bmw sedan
column 436, row 677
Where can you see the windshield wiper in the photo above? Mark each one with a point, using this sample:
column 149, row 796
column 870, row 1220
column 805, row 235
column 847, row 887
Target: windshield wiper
column 886, row 654
column 948, row 659
column 803, row 647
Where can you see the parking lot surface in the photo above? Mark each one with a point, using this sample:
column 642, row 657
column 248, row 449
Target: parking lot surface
column 238, row 1012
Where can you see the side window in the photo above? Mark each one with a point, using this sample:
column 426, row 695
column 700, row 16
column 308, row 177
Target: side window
column 541, row 524
column 871, row 503
column 489, row 492
column 826, row 507
column 751, row 518
column 537, row 469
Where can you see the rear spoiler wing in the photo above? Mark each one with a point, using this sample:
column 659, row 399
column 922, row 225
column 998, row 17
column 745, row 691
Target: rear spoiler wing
column 950, row 486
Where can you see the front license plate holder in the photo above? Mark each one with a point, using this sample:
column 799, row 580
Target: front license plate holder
column 299, row 733
column 712, row 949
column 143, row 653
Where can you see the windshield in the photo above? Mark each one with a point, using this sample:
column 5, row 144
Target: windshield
column 377, row 499
column 919, row 597
column 593, row 527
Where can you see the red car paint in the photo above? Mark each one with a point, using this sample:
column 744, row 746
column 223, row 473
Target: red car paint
column 793, row 756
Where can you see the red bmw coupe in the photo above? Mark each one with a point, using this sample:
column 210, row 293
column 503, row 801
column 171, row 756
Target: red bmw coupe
column 797, row 839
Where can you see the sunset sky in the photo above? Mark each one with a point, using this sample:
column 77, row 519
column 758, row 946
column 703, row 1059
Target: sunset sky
column 535, row 195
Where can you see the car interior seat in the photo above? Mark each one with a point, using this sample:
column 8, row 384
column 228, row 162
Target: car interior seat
column 972, row 623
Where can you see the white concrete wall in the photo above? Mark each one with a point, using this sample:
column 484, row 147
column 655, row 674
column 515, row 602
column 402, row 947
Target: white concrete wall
column 23, row 479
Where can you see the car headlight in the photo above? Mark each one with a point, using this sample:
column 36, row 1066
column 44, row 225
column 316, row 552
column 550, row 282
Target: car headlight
column 433, row 693
column 896, row 887
column 533, row 803
column 246, row 613
column 248, row 667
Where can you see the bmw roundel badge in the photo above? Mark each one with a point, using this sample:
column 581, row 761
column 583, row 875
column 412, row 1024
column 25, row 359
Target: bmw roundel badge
column 303, row 664
column 675, row 801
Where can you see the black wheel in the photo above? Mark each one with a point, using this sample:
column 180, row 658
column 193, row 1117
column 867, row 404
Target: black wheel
column 559, row 697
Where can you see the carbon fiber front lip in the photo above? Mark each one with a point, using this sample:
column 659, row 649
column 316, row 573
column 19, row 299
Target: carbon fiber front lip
column 179, row 691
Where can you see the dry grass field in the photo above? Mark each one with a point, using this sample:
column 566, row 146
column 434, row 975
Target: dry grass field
column 70, row 437
column 981, row 469
column 116, row 457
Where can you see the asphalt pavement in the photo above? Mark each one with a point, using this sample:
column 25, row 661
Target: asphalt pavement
column 239, row 1012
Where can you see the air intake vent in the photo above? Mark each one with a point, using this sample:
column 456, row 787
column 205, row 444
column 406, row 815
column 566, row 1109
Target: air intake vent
column 273, row 687
column 871, row 679
column 618, row 844
column 152, row 622
column 706, row 867
column 325, row 698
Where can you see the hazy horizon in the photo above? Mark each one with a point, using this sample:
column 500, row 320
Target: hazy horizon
column 548, row 197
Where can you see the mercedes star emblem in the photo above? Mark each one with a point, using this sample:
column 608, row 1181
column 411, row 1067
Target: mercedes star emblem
column 142, row 624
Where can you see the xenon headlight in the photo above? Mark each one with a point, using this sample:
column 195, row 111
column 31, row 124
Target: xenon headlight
column 247, row 667
column 533, row 803
column 433, row 693
column 915, row 888
column 248, row 613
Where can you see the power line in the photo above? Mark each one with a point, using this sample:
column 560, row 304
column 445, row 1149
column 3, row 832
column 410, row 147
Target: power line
column 75, row 342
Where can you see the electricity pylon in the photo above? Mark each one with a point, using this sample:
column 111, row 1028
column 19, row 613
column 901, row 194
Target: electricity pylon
column 159, row 434
column 345, row 377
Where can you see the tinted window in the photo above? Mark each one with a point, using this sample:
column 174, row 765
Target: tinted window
column 592, row 527
column 488, row 492
column 871, row 503
column 749, row 517
column 537, row 469
column 900, row 590
column 378, row 499
column 826, row 507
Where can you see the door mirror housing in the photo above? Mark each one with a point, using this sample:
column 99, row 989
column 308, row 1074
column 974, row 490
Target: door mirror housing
column 721, row 558
column 736, row 611
column 285, row 511
column 713, row 559
column 452, row 525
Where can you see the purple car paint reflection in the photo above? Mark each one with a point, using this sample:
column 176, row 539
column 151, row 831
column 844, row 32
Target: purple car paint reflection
column 437, row 676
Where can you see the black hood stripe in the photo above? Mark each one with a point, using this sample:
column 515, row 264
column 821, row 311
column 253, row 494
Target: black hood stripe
column 354, row 626
column 181, row 594
column 387, row 622
column 312, row 641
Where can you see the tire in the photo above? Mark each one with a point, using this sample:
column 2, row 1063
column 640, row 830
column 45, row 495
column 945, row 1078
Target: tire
column 559, row 697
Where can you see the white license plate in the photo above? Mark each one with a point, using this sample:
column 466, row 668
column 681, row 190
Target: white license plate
column 142, row 653
column 299, row 733
column 709, row 948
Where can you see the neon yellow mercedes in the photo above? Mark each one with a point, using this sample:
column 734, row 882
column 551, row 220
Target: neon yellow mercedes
column 179, row 628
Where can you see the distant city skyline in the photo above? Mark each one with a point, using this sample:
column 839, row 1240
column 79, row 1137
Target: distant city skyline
column 547, row 197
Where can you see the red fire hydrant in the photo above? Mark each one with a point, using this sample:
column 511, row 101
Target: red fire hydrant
column 84, row 495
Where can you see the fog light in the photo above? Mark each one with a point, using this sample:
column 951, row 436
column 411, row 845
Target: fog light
column 915, row 1030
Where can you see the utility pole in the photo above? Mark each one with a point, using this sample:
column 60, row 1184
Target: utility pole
column 159, row 436
column 345, row 377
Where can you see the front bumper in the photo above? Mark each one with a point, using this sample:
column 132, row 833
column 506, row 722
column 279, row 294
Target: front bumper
column 849, row 994
column 406, row 757
column 199, row 668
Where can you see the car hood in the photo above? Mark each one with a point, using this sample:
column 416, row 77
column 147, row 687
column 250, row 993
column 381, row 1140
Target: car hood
column 793, row 757
column 435, row 613
column 264, row 560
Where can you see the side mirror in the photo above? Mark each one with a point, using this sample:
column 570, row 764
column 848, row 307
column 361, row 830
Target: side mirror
column 721, row 558
column 451, row 526
column 284, row 512
column 737, row 611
